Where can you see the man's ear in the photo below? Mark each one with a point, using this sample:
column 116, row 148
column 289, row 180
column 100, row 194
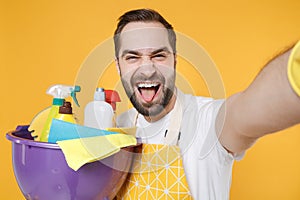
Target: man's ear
column 117, row 66
column 175, row 60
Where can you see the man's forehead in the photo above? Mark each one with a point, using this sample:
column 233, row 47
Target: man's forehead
column 140, row 35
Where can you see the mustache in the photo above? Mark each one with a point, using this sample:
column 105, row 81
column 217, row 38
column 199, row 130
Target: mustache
column 141, row 78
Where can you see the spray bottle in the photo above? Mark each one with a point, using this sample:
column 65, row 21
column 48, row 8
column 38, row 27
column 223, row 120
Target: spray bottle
column 98, row 113
column 59, row 93
column 65, row 113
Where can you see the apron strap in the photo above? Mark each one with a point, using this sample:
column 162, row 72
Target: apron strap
column 172, row 134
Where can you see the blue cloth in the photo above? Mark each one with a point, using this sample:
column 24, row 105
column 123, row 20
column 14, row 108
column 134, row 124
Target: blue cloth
column 62, row 130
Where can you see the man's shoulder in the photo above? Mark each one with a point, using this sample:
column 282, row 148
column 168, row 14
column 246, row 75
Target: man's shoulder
column 191, row 100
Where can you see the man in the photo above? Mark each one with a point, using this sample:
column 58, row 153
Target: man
column 208, row 134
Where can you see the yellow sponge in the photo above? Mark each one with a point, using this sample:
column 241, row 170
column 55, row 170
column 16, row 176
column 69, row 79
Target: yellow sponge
column 294, row 68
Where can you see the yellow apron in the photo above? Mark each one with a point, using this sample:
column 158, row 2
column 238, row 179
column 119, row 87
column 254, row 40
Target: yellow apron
column 157, row 171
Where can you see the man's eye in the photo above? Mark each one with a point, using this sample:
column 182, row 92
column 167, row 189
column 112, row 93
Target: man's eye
column 159, row 56
column 130, row 58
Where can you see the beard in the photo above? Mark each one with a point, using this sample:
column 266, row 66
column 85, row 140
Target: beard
column 151, row 109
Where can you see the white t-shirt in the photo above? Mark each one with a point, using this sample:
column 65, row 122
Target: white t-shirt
column 207, row 165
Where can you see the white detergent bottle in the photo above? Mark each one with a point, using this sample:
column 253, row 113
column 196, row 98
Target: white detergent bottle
column 98, row 113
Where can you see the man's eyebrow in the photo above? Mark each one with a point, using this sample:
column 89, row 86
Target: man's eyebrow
column 126, row 51
column 130, row 52
column 160, row 50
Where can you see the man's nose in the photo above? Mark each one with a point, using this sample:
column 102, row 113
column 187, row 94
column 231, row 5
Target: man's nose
column 147, row 67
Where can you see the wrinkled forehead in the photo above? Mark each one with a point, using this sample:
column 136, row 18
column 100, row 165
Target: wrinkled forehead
column 139, row 38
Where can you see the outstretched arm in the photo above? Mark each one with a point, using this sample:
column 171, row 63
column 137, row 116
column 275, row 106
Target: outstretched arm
column 268, row 105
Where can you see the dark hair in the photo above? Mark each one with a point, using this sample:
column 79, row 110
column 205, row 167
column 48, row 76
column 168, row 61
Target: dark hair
column 143, row 15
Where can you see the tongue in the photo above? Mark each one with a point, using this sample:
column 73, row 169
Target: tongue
column 148, row 94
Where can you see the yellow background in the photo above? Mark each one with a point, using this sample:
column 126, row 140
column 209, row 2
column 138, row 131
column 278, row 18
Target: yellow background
column 45, row 42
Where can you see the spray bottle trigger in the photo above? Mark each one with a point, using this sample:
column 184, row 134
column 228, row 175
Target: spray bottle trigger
column 73, row 94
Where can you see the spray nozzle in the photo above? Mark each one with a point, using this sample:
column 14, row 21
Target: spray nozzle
column 73, row 94
column 64, row 91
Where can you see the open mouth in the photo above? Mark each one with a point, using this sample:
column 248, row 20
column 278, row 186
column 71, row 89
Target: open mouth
column 148, row 90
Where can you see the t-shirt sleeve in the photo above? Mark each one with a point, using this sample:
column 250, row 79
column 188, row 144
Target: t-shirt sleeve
column 210, row 144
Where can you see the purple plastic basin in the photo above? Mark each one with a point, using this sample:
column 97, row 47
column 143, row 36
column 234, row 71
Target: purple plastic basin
column 43, row 174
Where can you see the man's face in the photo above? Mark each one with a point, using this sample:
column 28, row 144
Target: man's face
column 147, row 66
